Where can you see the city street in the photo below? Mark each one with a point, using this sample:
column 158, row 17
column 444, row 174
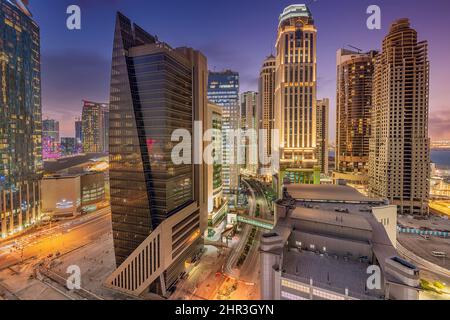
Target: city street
column 19, row 257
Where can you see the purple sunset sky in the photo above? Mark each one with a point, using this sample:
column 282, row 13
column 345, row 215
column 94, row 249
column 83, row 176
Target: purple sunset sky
column 232, row 34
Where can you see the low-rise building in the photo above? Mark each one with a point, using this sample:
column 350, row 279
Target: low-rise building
column 331, row 242
column 67, row 196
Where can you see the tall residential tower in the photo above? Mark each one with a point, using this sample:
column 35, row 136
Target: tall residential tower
column 399, row 155
column 95, row 125
column 295, row 95
column 353, row 112
column 322, row 125
column 266, row 112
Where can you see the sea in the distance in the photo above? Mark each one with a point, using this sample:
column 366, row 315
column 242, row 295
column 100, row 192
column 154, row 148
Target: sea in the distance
column 439, row 157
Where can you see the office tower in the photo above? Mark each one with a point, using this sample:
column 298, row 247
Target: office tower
column 217, row 204
column 223, row 90
column 156, row 201
column 249, row 113
column 295, row 96
column 79, row 134
column 399, row 155
column 317, row 253
column 322, row 129
column 266, row 116
column 68, row 146
column 50, row 138
column 20, row 120
column 94, row 126
column 353, row 111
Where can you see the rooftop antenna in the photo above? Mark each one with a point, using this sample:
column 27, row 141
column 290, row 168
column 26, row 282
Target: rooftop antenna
column 353, row 47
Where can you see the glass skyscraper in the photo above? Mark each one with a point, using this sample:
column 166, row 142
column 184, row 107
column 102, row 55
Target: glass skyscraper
column 20, row 120
column 223, row 90
column 158, row 207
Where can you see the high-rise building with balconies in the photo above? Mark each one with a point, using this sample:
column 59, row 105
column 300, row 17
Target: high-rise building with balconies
column 399, row 154
column 353, row 112
column 266, row 112
column 322, row 130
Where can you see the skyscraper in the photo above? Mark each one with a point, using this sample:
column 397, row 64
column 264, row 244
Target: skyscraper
column 249, row 118
column 295, row 95
column 217, row 205
column 94, row 126
column 68, row 146
column 223, row 90
column 322, row 123
column 266, row 116
column 50, row 138
column 79, row 134
column 20, row 120
column 157, row 203
column 399, row 156
column 353, row 111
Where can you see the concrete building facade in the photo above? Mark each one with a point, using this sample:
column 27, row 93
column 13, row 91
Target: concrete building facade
column 399, row 154
column 266, row 110
column 332, row 243
column 322, row 130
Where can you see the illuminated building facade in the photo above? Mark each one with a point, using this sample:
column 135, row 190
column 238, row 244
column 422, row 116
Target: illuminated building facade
column 94, row 126
column 217, row 204
column 158, row 206
column 21, row 163
column 249, row 120
column 223, row 90
column 399, row 154
column 79, row 134
column 68, row 146
column 353, row 112
column 322, row 123
column 295, row 95
column 50, row 138
column 266, row 115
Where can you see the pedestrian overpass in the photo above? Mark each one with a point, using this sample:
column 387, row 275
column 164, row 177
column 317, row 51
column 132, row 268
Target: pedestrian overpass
column 256, row 222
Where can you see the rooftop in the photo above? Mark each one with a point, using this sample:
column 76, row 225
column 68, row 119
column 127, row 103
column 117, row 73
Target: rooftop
column 327, row 272
column 327, row 193
column 333, row 218
column 295, row 10
column 54, row 166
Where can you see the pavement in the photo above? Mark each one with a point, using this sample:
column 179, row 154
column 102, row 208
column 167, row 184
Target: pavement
column 33, row 267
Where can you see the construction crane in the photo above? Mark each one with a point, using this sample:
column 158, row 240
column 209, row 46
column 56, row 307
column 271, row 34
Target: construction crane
column 353, row 47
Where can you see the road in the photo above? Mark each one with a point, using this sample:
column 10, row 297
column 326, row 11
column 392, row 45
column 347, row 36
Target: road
column 248, row 272
column 61, row 237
